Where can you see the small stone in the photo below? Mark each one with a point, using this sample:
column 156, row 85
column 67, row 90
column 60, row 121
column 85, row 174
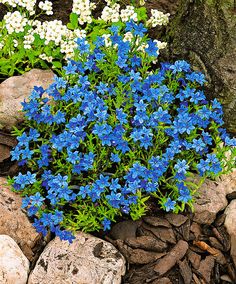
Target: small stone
column 14, row 266
column 79, row 262
column 147, row 243
column 172, row 257
column 157, row 222
column 206, row 267
column 125, row 229
column 176, row 219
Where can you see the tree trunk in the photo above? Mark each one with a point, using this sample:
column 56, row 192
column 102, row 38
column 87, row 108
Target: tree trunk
column 204, row 32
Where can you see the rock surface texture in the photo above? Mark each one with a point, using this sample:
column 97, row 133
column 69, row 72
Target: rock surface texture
column 212, row 198
column 230, row 224
column 14, row 266
column 88, row 260
column 15, row 223
column 204, row 33
column 15, row 90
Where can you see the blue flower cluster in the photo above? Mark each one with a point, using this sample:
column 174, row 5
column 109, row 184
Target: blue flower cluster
column 110, row 131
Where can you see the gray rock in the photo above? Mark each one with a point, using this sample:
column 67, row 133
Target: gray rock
column 212, row 198
column 230, row 225
column 15, row 223
column 125, row 229
column 15, row 90
column 14, row 266
column 87, row 260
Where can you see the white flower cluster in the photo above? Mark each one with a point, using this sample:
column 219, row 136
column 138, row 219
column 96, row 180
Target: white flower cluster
column 158, row 18
column 51, row 30
column 59, row 35
column 28, row 40
column 29, row 5
column 128, row 14
column 15, row 22
column 83, row 8
column 46, row 6
column 112, row 13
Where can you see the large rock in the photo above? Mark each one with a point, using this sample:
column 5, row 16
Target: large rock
column 212, row 198
column 15, row 90
column 15, row 223
column 14, row 266
column 204, row 33
column 87, row 260
column 230, row 225
column 6, row 143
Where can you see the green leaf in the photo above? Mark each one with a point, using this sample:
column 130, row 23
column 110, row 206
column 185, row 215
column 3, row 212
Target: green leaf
column 70, row 26
column 57, row 64
column 74, row 19
column 141, row 13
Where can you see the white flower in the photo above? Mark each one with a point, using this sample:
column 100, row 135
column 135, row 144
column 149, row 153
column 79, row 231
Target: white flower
column 157, row 18
column 15, row 22
column 128, row 14
column 46, row 6
column 128, row 36
column 45, row 57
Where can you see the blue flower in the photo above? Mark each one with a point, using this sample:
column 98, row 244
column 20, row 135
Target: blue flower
column 106, row 224
column 180, row 66
column 115, row 158
column 139, row 30
column 114, row 199
column 152, row 48
column 181, row 166
column 103, row 181
column 83, row 46
column 169, row 204
column 37, row 199
column 184, row 193
column 198, row 145
column 203, row 167
column 70, row 68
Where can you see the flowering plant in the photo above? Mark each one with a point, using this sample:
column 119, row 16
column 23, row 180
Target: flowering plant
column 112, row 132
column 26, row 42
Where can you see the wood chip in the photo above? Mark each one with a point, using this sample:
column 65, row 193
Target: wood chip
column 194, row 258
column 206, row 247
column 157, row 222
column 206, row 267
column 168, row 261
column 147, row 243
column 185, row 271
column 176, row 219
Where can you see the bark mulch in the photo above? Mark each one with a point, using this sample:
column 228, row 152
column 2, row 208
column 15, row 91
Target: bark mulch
column 173, row 248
